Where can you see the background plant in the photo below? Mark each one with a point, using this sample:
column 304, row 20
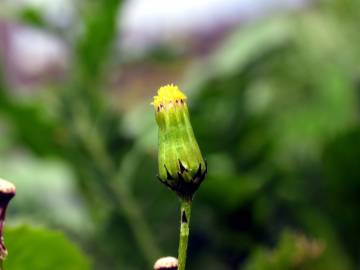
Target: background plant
column 283, row 93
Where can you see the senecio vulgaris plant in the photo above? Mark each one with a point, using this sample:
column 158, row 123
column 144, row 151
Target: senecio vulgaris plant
column 181, row 165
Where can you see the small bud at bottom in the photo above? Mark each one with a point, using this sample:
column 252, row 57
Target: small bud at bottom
column 166, row 263
column 7, row 192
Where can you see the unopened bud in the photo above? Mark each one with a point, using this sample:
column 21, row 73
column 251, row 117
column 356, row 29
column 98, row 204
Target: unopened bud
column 166, row 263
column 7, row 192
column 181, row 165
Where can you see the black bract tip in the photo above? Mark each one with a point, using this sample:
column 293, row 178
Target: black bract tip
column 184, row 189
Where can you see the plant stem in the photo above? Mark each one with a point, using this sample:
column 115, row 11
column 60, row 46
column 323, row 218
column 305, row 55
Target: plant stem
column 185, row 212
column 1, row 264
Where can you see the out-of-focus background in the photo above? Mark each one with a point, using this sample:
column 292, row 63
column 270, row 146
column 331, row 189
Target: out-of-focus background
column 274, row 92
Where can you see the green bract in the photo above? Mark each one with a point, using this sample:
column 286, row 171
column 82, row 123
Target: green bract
column 181, row 165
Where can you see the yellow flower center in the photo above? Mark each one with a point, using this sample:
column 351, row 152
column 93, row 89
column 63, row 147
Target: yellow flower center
column 168, row 94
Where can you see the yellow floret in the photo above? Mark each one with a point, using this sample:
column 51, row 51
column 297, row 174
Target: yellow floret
column 168, row 93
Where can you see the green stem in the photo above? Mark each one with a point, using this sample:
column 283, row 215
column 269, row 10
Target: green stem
column 1, row 265
column 185, row 212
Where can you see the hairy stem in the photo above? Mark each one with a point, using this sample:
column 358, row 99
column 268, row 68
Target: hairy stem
column 185, row 212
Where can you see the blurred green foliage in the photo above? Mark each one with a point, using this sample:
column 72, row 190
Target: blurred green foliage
column 292, row 251
column 52, row 249
column 275, row 109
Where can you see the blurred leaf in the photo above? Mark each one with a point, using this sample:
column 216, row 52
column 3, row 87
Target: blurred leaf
column 100, row 29
column 42, row 249
column 242, row 49
column 32, row 16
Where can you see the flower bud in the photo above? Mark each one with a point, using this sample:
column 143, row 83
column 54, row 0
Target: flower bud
column 7, row 192
column 181, row 165
column 166, row 263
